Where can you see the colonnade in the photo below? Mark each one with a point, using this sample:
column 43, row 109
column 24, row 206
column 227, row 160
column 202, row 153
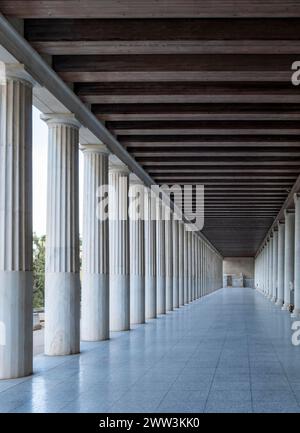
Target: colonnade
column 132, row 269
column 277, row 266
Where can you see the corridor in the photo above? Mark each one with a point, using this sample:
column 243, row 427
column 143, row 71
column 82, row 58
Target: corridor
column 230, row 351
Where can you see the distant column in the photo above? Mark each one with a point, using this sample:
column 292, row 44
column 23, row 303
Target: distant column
column 160, row 259
column 169, row 260
column 186, row 265
column 175, row 246
column 150, row 255
column 62, row 281
column 296, row 312
column 15, row 223
column 137, row 251
column 181, row 262
column 289, row 257
column 95, row 247
column 280, row 277
column 119, row 295
column 275, row 265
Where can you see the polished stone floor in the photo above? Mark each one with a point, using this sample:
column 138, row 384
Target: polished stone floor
column 228, row 352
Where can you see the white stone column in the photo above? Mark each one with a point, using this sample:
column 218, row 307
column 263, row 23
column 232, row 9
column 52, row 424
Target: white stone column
column 175, row 246
column 160, row 259
column 190, row 267
column 296, row 312
column 62, row 282
column 289, row 257
column 193, row 256
column 186, row 265
column 150, row 255
column 275, row 265
column 169, row 260
column 280, row 270
column 181, row 262
column 95, row 246
column 15, row 224
column 119, row 295
column 137, row 250
column 271, row 268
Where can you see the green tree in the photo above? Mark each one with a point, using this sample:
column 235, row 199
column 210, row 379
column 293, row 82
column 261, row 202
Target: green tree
column 38, row 271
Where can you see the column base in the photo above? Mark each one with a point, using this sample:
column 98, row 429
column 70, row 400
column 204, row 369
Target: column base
column 137, row 299
column 273, row 299
column 169, row 294
column 16, row 328
column 119, row 311
column 161, row 294
column 279, row 302
column 285, row 307
column 95, row 307
column 62, row 313
column 150, row 296
column 175, row 292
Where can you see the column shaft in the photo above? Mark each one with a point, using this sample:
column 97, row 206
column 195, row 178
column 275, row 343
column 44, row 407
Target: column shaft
column 137, row 254
column 169, row 260
column 119, row 303
column 296, row 312
column 62, row 282
column 160, row 259
column 150, row 255
column 275, row 265
column 15, row 228
column 181, row 262
column 95, row 248
column 289, row 258
column 175, row 246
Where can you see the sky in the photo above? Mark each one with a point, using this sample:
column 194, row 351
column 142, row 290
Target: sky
column 39, row 167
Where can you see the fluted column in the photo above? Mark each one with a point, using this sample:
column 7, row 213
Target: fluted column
column 160, row 259
column 150, row 255
column 15, row 224
column 186, row 264
column 169, row 259
column 190, row 267
column 296, row 312
column 119, row 296
column 289, row 257
column 271, row 268
column 62, row 282
column 95, row 247
column 181, row 262
column 280, row 270
column 137, row 251
column 275, row 265
column 175, row 246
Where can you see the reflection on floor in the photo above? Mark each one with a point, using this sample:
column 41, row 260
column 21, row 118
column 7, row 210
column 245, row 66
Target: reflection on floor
column 228, row 352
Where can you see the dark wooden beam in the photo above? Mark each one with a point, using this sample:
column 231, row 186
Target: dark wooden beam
column 149, row 8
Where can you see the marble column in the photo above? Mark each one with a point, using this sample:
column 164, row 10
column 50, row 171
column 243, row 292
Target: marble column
column 150, row 255
column 15, row 223
column 62, row 282
column 95, row 246
column 190, row 267
column 186, row 265
column 137, row 250
column 193, row 258
column 175, row 246
column 275, row 265
column 119, row 295
column 289, row 257
column 160, row 259
column 271, row 268
column 280, row 270
column 296, row 312
column 169, row 260
column 181, row 262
